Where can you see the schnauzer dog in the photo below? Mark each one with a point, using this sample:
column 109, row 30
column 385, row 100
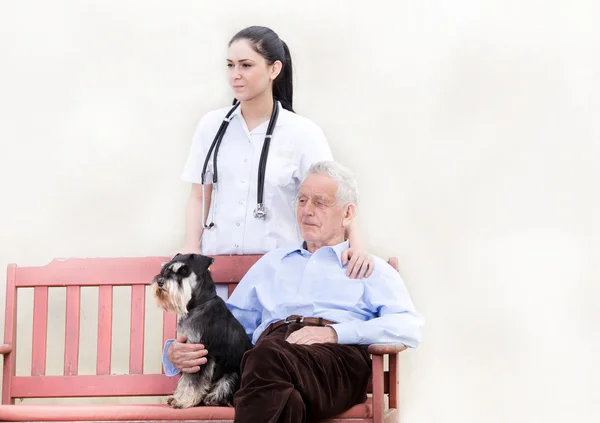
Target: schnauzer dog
column 184, row 286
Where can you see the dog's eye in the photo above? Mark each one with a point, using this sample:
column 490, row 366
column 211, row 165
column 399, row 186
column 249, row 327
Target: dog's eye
column 183, row 270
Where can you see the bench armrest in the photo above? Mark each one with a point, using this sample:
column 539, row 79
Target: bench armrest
column 382, row 349
column 5, row 349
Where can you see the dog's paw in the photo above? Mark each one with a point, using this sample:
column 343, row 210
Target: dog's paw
column 216, row 399
column 179, row 403
column 211, row 401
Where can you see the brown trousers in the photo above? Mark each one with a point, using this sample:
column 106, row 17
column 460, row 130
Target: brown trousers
column 289, row 383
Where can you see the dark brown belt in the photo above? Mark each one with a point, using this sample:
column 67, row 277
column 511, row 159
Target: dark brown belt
column 314, row 321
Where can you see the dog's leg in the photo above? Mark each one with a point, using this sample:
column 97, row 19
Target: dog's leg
column 192, row 388
column 222, row 391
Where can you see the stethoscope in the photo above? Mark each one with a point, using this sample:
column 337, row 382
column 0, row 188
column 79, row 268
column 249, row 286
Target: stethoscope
column 260, row 212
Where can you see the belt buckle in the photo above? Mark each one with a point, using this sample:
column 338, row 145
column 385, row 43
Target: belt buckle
column 294, row 320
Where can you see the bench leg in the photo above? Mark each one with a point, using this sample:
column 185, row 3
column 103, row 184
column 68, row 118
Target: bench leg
column 378, row 400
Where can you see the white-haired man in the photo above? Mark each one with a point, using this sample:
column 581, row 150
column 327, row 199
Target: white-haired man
column 310, row 323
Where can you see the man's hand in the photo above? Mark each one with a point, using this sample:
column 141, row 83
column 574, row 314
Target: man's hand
column 187, row 358
column 360, row 263
column 313, row 335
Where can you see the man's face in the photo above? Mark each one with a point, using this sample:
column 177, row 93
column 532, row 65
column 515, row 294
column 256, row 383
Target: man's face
column 320, row 219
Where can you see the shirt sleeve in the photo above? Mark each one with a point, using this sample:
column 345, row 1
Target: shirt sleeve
column 243, row 302
column 397, row 320
column 192, row 170
column 316, row 149
column 170, row 369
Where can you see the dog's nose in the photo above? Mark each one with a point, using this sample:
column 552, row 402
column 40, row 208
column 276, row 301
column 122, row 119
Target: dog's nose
column 160, row 282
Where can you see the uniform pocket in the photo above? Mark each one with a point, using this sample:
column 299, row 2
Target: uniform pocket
column 280, row 171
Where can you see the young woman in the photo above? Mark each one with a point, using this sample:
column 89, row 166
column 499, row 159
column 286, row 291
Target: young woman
column 247, row 161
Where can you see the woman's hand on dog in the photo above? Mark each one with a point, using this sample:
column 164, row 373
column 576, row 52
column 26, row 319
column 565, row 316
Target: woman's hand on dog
column 187, row 358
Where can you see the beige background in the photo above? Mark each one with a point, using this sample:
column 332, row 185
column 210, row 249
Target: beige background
column 473, row 128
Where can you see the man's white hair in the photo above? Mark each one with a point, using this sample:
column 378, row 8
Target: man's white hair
column 347, row 191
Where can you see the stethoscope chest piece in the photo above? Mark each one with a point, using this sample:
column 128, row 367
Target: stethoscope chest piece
column 260, row 212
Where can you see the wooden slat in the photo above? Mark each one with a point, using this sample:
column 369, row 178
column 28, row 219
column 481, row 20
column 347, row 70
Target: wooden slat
column 40, row 328
column 10, row 334
column 105, row 294
column 378, row 403
column 72, row 331
column 121, row 271
column 92, row 386
column 169, row 326
column 230, row 289
column 136, row 339
column 394, row 381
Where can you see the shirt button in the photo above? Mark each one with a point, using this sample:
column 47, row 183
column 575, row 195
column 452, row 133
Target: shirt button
column 246, row 160
column 243, row 181
column 240, row 203
column 236, row 245
column 238, row 224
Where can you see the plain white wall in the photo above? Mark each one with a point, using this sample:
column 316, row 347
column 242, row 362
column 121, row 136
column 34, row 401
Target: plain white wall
column 473, row 128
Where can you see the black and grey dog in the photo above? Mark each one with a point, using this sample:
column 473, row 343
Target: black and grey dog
column 184, row 286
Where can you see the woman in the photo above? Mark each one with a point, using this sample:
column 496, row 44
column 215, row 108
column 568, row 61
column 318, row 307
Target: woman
column 247, row 161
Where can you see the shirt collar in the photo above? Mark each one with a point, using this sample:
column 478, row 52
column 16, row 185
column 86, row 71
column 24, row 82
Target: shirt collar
column 280, row 119
column 338, row 249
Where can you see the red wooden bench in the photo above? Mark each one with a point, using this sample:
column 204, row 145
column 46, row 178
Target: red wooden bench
column 107, row 273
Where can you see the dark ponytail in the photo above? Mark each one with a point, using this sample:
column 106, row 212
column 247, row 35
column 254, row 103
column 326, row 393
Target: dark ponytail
column 283, row 86
column 268, row 44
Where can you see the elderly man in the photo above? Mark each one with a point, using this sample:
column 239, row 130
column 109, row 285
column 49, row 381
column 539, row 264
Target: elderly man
column 310, row 323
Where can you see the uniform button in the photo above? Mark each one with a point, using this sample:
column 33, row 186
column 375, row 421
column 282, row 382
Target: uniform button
column 240, row 203
column 236, row 245
column 243, row 181
column 238, row 224
column 246, row 160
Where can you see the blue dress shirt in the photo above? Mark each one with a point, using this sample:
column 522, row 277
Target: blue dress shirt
column 289, row 281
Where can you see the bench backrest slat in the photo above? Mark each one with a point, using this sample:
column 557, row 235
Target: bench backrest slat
column 72, row 331
column 105, row 297
column 136, row 339
column 230, row 288
column 40, row 324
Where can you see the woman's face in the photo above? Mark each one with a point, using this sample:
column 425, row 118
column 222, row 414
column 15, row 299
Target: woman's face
column 249, row 73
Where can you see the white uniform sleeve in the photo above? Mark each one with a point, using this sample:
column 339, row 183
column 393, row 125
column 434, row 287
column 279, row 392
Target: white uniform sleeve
column 316, row 150
column 192, row 171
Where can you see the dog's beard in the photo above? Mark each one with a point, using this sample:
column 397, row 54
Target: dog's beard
column 173, row 297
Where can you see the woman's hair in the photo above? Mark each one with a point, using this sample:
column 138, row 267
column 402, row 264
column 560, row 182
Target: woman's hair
column 268, row 44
